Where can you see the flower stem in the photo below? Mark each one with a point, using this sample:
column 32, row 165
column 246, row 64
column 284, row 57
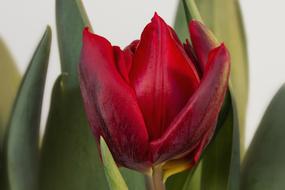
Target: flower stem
column 155, row 180
column 191, row 10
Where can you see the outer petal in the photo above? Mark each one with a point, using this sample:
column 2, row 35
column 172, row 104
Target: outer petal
column 162, row 75
column 203, row 42
column 111, row 104
column 192, row 128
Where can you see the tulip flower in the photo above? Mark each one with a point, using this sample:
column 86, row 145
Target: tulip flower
column 158, row 100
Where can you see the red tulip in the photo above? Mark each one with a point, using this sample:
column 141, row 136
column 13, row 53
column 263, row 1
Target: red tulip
column 157, row 99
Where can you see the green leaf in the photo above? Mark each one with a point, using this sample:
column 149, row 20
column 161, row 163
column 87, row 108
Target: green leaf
column 69, row 157
column 71, row 18
column 9, row 83
column 221, row 161
column 187, row 180
column 134, row 180
column 21, row 151
column 178, row 180
column 264, row 163
column 194, row 180
column 114, row 177
column 224, row 19
column 191, row 10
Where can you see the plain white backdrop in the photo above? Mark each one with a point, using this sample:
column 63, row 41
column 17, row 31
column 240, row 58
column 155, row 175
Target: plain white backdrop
column 23, row 22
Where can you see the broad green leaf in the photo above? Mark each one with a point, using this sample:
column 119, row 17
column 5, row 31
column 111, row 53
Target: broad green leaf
column 187, row 180
column 114, row 177
column 264, row 163
column 21, row 148
column 134, row 179
column 221, row 161
column 194, row 180
column 9, row 83
column 69, row 157
column 71, row 18
column 224, row 19
column 177, row 181
column 191, row 10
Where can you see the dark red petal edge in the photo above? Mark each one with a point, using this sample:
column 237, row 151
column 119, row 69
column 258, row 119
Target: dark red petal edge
column 110, row 104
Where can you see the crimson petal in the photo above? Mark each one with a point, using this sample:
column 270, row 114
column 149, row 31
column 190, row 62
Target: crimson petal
column 203, row 42
column 111, row 105
column 198, row 118
column 162, row 75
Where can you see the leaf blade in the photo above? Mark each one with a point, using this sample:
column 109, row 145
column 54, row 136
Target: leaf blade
column 221, row 161
column 69, row 156
column 133, row 179
column 22, row 139
column 73, row 163
column 71, row 18
column 9, row 83
column 264, row 166
column 114, row 177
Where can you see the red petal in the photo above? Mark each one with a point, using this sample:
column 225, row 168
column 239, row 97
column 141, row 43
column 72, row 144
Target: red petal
column 111, row 104
column 196, row 122
column 190, row 52
column 132, row 47
column 162, row 75
column 123, row 62
column 203, row 42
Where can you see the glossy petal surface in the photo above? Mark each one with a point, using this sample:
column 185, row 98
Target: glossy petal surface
column 110, row 103
column 194, row 125
column 163, row 76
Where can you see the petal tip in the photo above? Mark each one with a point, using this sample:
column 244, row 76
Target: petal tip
column 156, row 18
column 224, row 50
column 221, row 53
column 86, row 31
column 87, row 35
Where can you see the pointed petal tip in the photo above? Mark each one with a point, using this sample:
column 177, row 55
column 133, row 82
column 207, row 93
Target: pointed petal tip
column 157, row 19
column 87, row 35
column 90, row 37
column 223, row 50
column 155, row 16
column 86, row 30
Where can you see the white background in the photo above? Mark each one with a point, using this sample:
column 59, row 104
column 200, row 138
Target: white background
column 23, row 22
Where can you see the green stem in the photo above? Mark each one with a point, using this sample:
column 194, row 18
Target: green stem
column 155, row 180
column 191, row 10
column 149, row 182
